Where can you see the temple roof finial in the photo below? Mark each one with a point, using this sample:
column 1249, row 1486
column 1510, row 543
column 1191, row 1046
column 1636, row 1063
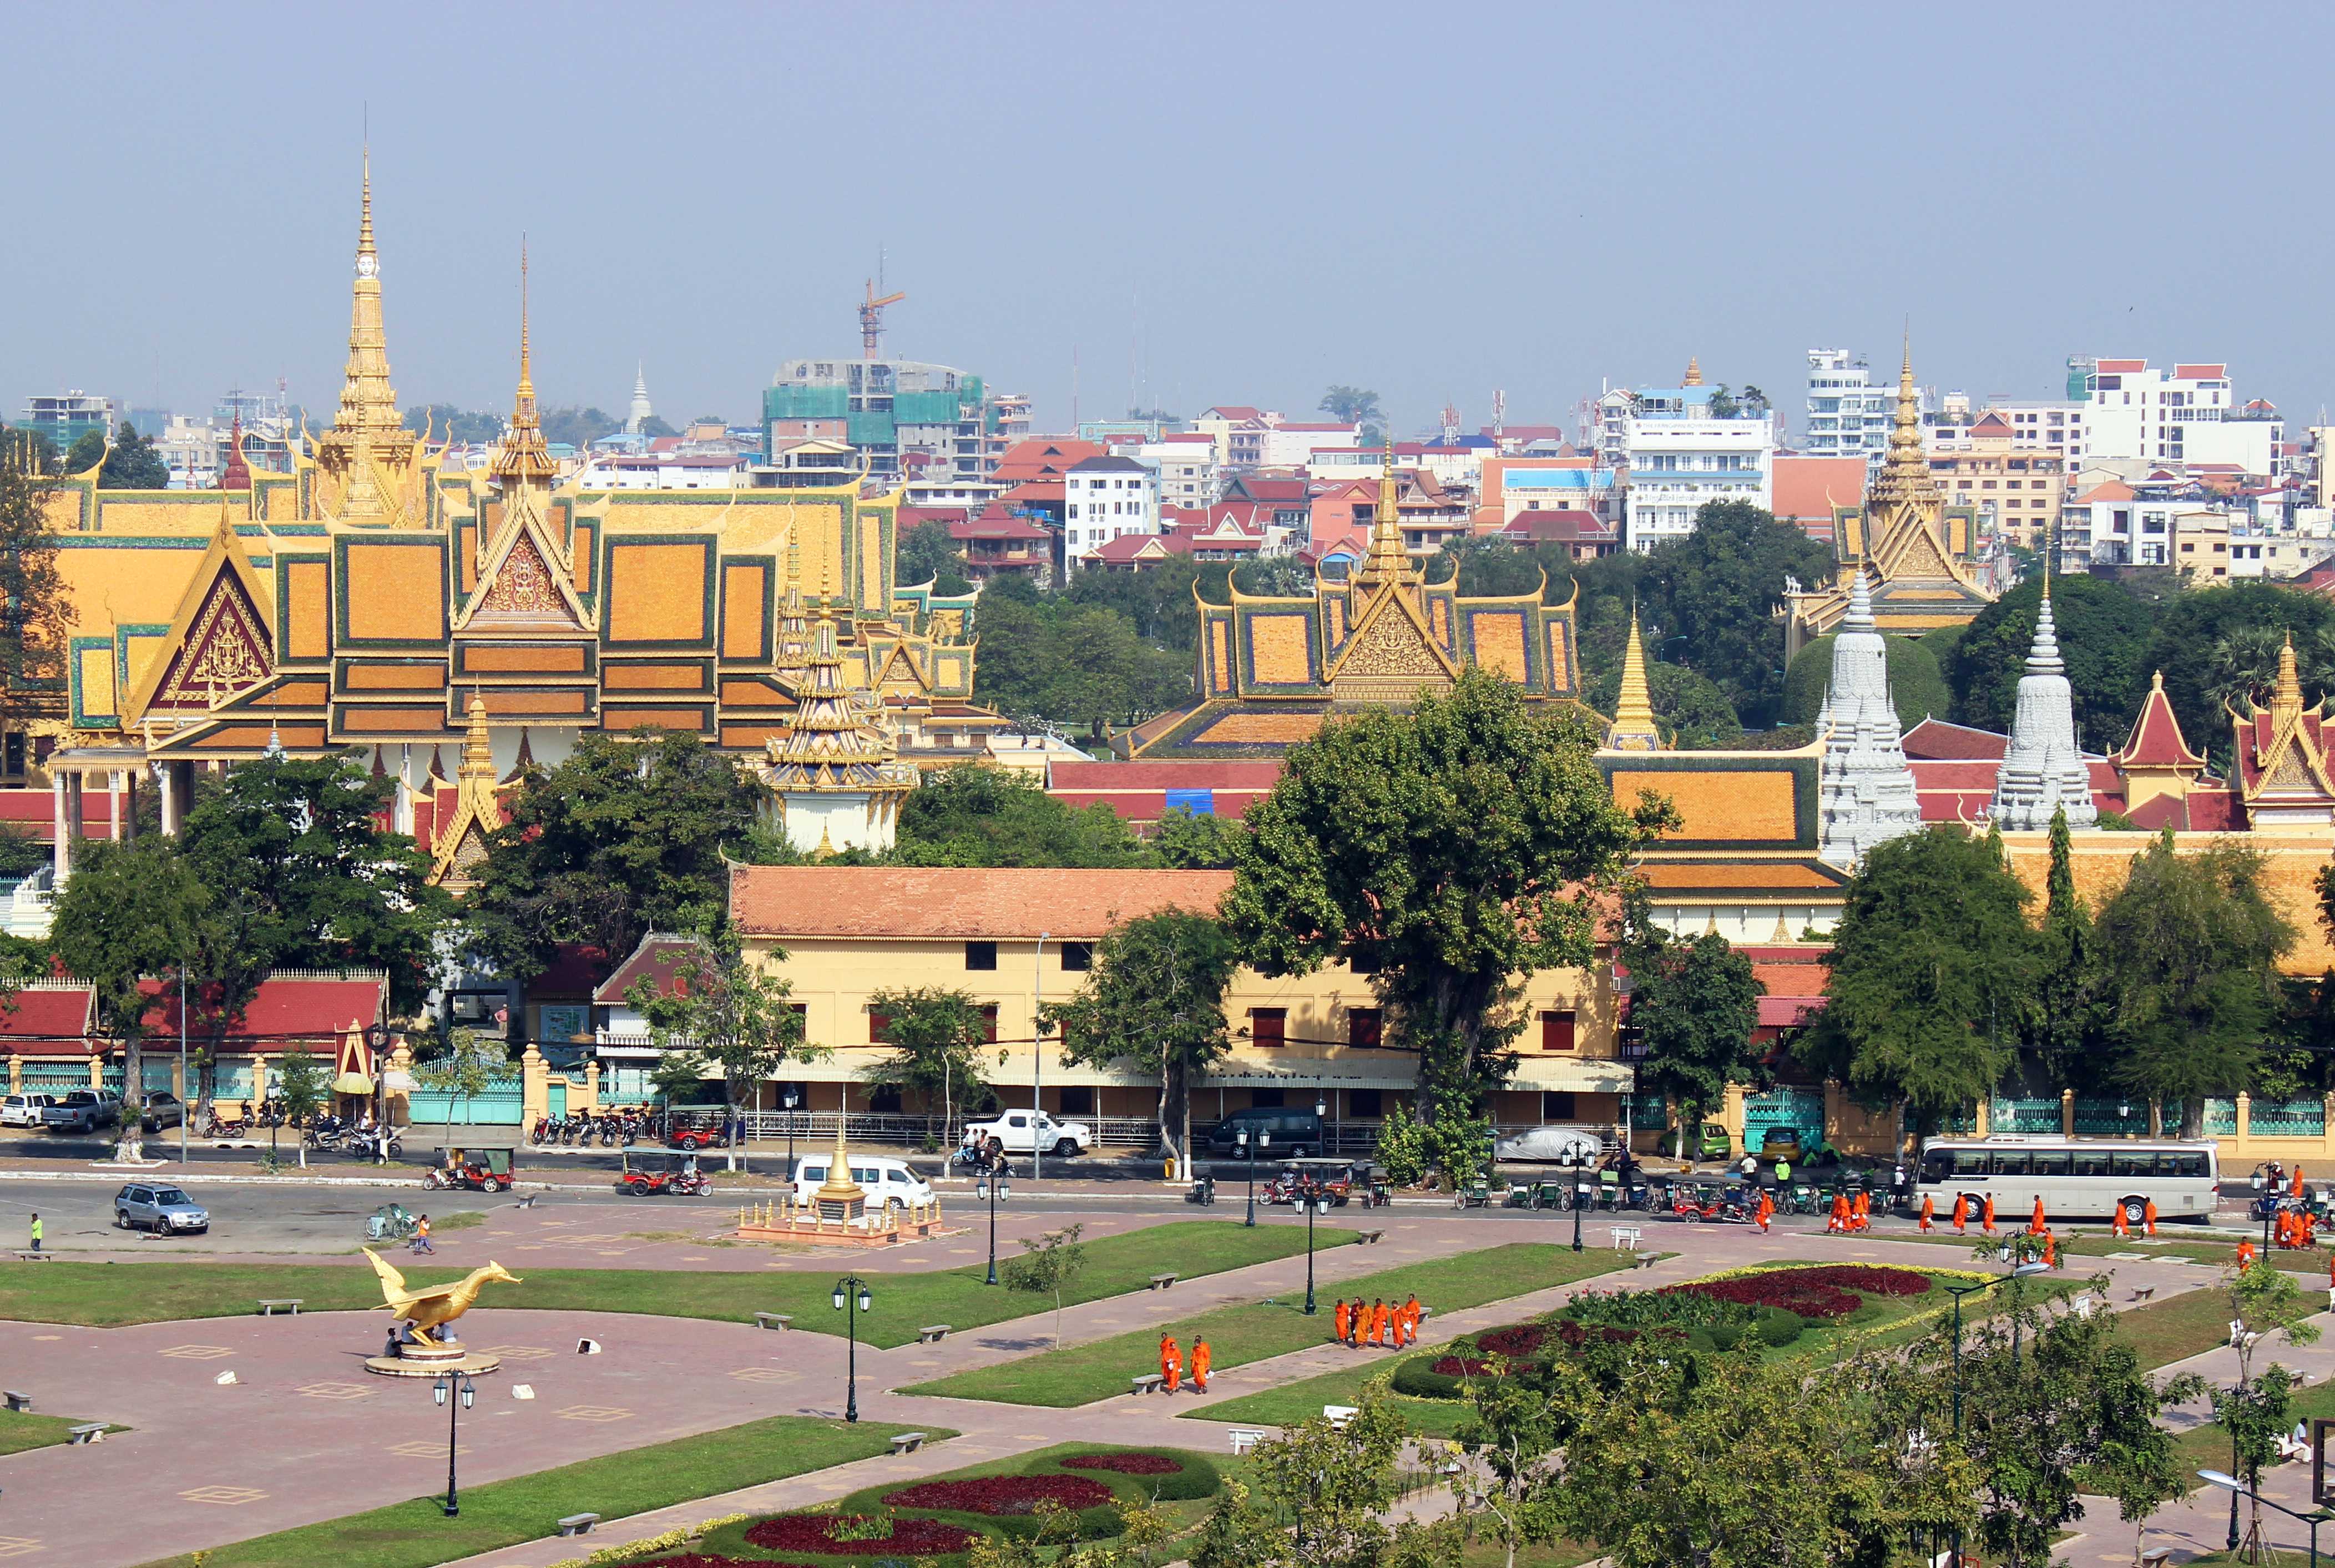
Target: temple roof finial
column 1633, row 727
column 523, row 455
column 1693, row 372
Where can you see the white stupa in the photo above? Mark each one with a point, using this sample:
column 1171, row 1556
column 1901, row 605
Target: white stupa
column 640, row 413
column 1865, row 789
column 2043, row 771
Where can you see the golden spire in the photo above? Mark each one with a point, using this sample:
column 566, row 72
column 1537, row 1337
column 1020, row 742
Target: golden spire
column 793, row 628
column 478, row 751
column 1906, row 475
column 1633, row 727
column 1693, row 372
column 368, row 403
column 522, row 455
column 1387, row 560
column 2286, row 697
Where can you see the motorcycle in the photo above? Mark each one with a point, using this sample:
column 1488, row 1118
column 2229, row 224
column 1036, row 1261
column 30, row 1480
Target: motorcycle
column 373, row 1143
column 1203, row 1190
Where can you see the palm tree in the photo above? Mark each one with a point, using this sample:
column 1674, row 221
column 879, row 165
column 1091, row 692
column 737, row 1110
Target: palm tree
column 1351, row 404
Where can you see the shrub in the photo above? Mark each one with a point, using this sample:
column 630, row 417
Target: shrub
column 815, row 1532
column 1517, row 1340
column 1778, row 1328
column 1676, row 1307
column 1125, row 1464
column 1419, row 1378
column 1817, row 1294
column 1003, row 1495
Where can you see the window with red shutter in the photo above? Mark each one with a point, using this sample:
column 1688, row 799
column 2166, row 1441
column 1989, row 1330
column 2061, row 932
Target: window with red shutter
column 1268, row 1025
column 1556, row 1031
column 1362, row 1032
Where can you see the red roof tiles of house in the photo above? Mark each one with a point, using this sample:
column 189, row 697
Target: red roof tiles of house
column 1131, row 549
column 307, row 1009
column 2201, row 372
column 1565, row 526
column 36, row 809
column 1935, row 738
column 50, row 1018
column 2121, row 366
column 2157, row 741
column 1041, row 459
column 1990, row 424
column 2110, row 491
column 654, row 959
column 994, row 522
column 1233, row 411
column 1807, row 490
column 1034, row 492
column 909, row 903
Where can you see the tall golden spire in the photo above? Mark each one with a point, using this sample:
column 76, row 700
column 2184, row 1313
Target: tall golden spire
column 477, row 749
column 1904, row 478
column 1633, row 727
column 2286, row 697
column 522, row 455
column 1387, row 560
column 1693, row 372
column 368, row 403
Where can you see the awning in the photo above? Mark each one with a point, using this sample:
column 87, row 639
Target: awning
column 352, row 1083
column 1573, row 1075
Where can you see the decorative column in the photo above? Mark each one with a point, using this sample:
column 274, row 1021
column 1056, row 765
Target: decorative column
column 15, row 1073
column 400, row 1060
column 592, row 1084
column 534, row 1086
column 1983, row 1118
column 113, row 802
column 2067, row 1113
column 63, row 841
column 1730, row 1117
column 97, row 1074
column 2245, row 1122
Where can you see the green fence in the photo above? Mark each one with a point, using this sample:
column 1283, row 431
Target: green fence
column 502, row 1105
column 2024, row 1115
column 2286, row 1118
column 2221, row 1117
column 2111, row 1118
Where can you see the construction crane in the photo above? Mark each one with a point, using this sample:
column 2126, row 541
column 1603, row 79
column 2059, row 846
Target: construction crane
column 871, row 319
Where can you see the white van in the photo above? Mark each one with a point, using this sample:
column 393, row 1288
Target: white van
column 888, row 1183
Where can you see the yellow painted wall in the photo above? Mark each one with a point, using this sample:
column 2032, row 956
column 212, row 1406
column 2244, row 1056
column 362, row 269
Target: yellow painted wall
column 2101, row 861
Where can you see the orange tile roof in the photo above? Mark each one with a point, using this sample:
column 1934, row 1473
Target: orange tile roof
column 1015, row 903
column 2157, row 741
column 1807, row 488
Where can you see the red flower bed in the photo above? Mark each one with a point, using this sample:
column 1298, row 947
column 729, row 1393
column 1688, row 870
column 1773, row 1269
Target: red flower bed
column 1868, row 1280
column 1003, row 1494
column 1459, row 1367
column 703, row 1559
column 815, row 1532
column 1516, row 1340
column 1827, row 1291
column 1126, row 1464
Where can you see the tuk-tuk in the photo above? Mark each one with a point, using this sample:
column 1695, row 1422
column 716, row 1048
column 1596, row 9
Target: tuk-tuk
column 390, row 1223
column 654, row 1174
column 485, row 1170
column 1475, row 1194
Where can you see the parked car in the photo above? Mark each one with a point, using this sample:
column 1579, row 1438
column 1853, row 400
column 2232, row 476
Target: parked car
column 161, row 1110
column 164, row 1210
column 1714, row 1142
column 888, row 1183
column 1780, row 1143
column 1573, row 1146
column 24, row 1109
column 1292, row 1134
column 83, row 1110
column 1031, row 1132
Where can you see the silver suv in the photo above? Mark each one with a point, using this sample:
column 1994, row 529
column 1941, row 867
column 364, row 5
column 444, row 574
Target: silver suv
column 164, row 1210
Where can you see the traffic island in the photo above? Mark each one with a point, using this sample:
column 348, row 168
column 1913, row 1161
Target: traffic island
column 845, row 1225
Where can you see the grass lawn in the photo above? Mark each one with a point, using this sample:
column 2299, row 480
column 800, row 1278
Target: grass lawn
column 108, row 1295
column 2178, row 1328
column 1292, row 1404
column 2208, row 1447
column 21, row 1429
column 2217, row 1250
column 415, row 1534
column 1080, row 1374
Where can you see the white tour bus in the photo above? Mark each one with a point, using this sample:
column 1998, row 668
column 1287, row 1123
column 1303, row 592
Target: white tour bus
column 2076, row 1177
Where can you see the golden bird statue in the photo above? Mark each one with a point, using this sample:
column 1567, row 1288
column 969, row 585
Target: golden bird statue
column 435, row 1306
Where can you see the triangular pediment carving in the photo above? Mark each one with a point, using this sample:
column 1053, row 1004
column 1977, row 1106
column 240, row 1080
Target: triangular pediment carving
column 1390, row 654
column 218, row 646
column 523, row 585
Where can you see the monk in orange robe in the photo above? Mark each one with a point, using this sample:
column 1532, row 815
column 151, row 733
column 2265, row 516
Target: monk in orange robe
column 1837, row 1221
column 2245, row 1255
column 2298, row 1181
column 2035, row 1227
column 1929, row 1209
column 1766, row 1212
column 1986, row 1217
column 2050, row 1249
column 1962, row 1213
column 1381, row 1314
column 1410, row 1319
column 2148, row 1216
column 2118, row 1224
column 1171, row 1363
column 1200, row 1363
column 1337, row 1320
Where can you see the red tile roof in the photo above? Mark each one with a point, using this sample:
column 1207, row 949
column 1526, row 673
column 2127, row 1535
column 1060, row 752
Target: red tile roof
column 2121, row 366
column 50, row 1020
column 652, row 959
column 2157, row 741
column 1035, row 492
column 1563, row 527
column 2112, row 490
column 1017, row 903
column 284, row 1010
column 996, row 523
column 1807, row 488
column 1957, row 742
column 2201, row 372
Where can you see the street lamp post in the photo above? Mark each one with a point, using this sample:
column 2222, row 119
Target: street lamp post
column 793, row 1098
column 444, row 1391
column 1318, row 1203
column 1249, row 1146
column 994, row 1188
column 1580, row 1192
column 2237, row 1488
column 1958, row 1291
column 851, row 1298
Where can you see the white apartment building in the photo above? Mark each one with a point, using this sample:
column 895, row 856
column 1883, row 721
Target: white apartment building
column 1189, row 474
column 1103, row 498
column 1847, row 414
column 1675, row 465
column 2187, row 414
column 1291, row 443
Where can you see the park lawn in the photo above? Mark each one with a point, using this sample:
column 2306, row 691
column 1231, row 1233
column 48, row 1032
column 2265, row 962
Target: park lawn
column 2091, row 1243
column 2207, row 1446
column 1294, row 1404
column 1082, row 1374
column 108, row 1295
column 416, row 1534
column 2178, row 1327
column 21, row 1429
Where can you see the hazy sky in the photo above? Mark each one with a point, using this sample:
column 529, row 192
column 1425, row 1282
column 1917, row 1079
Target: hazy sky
column 1261, row 199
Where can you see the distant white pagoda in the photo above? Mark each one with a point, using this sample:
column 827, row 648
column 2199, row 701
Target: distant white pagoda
column 640, row 413
column 1865, row 789
column 2043, row 771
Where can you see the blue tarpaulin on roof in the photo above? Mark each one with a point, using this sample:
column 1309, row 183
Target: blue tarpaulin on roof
column 1198, row 802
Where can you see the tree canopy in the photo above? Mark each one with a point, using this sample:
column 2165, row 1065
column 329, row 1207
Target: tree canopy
column 35, row 607
column 131, row 463
column 927, row 554
column 1444, row 851
column 992, row 816
column 1694, row 1004
column 1074, row 663
column 444, row 422
column 1714, row 594
column 2105, row 636
column 1916, row 686
column 1155, row 999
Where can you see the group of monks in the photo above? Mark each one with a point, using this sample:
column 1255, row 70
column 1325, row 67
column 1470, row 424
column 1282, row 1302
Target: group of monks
column 1171, row 1364
column 1377, row 1324
column 1851, row 1213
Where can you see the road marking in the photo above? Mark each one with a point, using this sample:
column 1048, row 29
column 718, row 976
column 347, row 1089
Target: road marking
column 18, row 1545
column 770, row 1374
column 197, row 1352
column 226, row 1497
column 425, row 1450
column 333, row 1391
column 594, row 1413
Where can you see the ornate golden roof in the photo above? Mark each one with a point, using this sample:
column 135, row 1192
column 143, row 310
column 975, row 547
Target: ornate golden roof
column 830, row 743
column 522, row 455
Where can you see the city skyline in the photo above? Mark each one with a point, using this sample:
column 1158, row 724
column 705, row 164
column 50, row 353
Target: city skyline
column 1052, row 187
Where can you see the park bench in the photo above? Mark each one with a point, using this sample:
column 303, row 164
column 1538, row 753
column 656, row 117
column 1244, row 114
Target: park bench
column 1368, row 1237
column 908, row 1442
column 1244, row 1440
column 2156, row 1558
column 932, row 1333
column 34, row 1257
column 271, row 1305
column 779, row 1320
column 2143, row 1292
column 1627, row 1237
column 1147, row 1382
column 1339, row 1415
column 89, row 1432
column 1162, row 1281
column 1644, row 1261
column 16, row 1401
column 578, row 1524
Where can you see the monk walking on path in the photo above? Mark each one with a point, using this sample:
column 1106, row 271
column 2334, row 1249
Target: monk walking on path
column 1986, row 1218
column 1171, row 1363
column 2118, row 1226
column 1961, row 1212
column 1929, row 1209
column 1338, row 1321
column 1766, row 1212
column 1410, row 1319
column 2148, row 1216
column 1200, row 1359
column 1378, row 1324
column 2035, row 1227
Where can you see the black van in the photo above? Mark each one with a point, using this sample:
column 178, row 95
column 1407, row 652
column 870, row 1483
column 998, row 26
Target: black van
column 1292, row 1134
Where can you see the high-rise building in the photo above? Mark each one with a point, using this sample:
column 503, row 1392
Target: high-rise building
column 1847, row 414
column 1683, row 448
column 889, row 410
column 2188, row 414
column 64, row 419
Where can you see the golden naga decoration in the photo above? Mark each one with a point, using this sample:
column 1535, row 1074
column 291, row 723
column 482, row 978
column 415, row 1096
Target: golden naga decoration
column 439, row 1305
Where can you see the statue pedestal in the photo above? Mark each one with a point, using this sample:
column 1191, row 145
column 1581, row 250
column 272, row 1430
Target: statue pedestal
column 425, row 1361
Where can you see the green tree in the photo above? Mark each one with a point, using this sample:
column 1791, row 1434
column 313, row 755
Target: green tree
column 86, row 452
column 579, row 428
column 926, row 554
column 1718, row 590
column 655, row 428
column 2189, row 949
column 713, row 1003
column 624, row 836
column 1154, row 999
column 1188, row 840
column 131, row 463
column 1691, row 713
column 471, row 1064
column 1933, row 967
column 1916, row 689
column 303, row 1083
column 1322, row 1496
column 2064, row 1028
column 1274, row 577
column 1073, row 664
column 1694, row 1004
column 128, row 913
column 2104, row 638
column 1047, row 1266
column 2221, row 645
column 35, row 607
column 1512, row 1430
column 1350, row 406
column 990, row 816
column 1446, row 851
column 939, row 1039
column 2259, row 1408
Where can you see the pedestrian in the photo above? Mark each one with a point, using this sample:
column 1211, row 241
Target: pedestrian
column 1986, row 1216
column 1765, row 1211
column 2118, row 1224
column 2148, row 1216
column 1357, row 1324
column 1863, row 1211
column 422, row 1235
column 1171, row 1363
column 1837, row 1222
column 1962, row 1213
column 2051, row 1249
column 1410, row 1319
column 1337, row 1320
column 1200, row 1359
column 2245, row 1255
column 1378, row 1323
column 1929, row 1209
column 2297, row 1179
column 2035, row 1227
column 36, row 1230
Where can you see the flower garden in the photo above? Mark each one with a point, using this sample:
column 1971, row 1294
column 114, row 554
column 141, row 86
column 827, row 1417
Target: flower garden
column 943, row 1519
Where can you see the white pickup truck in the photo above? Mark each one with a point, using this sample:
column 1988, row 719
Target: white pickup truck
column 1031, row 1132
